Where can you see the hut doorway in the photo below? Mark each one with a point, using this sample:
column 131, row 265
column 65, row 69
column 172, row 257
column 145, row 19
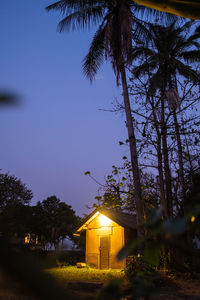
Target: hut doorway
column 104, row 252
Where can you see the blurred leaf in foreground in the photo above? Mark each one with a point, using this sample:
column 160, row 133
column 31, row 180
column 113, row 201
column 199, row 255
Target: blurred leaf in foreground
column 19, row 266
column 8, row 99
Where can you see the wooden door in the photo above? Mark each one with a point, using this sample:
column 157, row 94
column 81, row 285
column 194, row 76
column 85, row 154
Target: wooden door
column 104, row 252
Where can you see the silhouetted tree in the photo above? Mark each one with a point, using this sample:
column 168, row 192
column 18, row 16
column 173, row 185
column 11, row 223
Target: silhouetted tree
column 13, row 191
column 15, row 221
column 168, row 54
column 53, row 221
column 117, row 24
column 15, row 214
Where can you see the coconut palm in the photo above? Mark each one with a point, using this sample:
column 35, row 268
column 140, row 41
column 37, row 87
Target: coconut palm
column 167, row 54
column 117, row 25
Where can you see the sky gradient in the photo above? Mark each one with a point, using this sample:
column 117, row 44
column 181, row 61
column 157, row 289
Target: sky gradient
column 57, row 132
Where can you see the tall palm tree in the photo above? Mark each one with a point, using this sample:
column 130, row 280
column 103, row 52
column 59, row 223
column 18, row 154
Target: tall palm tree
column 117, row 25
column 169, row 53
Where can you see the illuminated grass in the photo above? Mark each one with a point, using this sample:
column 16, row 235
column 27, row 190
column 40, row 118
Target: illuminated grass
column 72, row 273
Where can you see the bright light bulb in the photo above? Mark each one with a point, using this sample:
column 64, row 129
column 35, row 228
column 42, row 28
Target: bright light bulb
column 104, row 221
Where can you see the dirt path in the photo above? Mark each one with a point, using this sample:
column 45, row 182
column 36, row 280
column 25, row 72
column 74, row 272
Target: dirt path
column 180, row 290
column 171, row 290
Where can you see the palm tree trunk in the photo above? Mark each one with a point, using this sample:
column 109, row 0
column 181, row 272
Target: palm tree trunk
column 180, row 156
column 166, row 159
column 161, row 179
column 133, row 151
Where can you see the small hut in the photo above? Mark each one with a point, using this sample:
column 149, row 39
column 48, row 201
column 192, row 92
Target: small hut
column 107, row 231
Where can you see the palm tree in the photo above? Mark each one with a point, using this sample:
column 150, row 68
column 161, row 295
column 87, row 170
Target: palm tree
column 117, row 25
column 169, row 53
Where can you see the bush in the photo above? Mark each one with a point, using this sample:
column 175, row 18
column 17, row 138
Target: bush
column 69, row 258
column 138, row 265
column 52, row 259
column 143, row 277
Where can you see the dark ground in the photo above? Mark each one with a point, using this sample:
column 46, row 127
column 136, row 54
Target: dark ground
column 178, row 289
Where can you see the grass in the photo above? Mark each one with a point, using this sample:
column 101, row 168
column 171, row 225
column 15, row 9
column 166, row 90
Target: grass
column 72, row 273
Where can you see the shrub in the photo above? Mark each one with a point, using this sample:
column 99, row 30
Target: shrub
column 143, row 277
column 69, row 258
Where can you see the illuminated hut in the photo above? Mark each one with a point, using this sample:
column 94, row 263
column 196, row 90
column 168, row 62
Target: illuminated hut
column 107, row 231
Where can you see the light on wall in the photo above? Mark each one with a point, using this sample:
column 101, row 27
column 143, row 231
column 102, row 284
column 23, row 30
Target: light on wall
column 104, row 221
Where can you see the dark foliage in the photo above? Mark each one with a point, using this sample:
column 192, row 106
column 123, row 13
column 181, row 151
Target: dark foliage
column 69, row 258
column 21, row 267
column 15, row 221
column 13, row 191
column 15, row 214
column 143, row 277
column 53, row 221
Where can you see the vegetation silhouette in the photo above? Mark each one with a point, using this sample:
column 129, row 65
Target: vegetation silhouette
column 118, row 25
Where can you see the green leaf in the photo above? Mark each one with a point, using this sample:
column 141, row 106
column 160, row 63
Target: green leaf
column 121, row 143
column 98, row 198
column 127, row 249
column 112, row 290
column 8, row 99
column 112, row 180
column 87, row 173
column 174, row 226
column 115, row 172
column 152, row 253
column 154, row 215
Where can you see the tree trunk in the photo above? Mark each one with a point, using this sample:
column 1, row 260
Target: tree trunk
column 180, row 156
column 161, row 180
column 166, row 160
column 160, row 167
column 133, row 152
column 189, row 158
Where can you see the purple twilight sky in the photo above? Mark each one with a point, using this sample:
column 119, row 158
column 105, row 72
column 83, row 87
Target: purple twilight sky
column 58, row 132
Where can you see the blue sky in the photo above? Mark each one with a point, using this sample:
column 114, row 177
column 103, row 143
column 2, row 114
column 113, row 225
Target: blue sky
column 58, row 132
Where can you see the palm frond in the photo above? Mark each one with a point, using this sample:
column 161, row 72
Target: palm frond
column 152, row 15
column 66, row 6
column 196, row 35
column 187, row 72
column 184, row 27
column 142, row 52
column 94, row 59
column 144, row 69
column 141, row 31
column 59, row 5
column 83, row 18
column 191, row 56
